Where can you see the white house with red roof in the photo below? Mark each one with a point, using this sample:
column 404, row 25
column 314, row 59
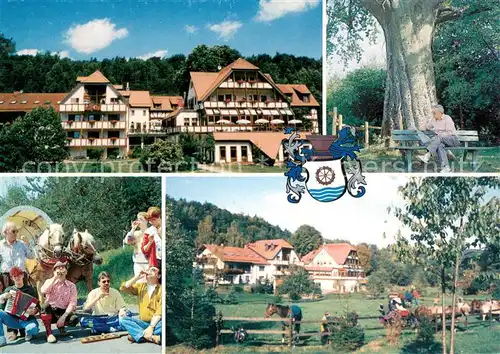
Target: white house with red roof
column 335, row 267
column 99, row 114
column 258, row 261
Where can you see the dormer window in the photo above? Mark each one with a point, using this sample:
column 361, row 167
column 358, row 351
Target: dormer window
column 157, row 105
column 24, row 102
column 46, row 102
column 13, row 102
column 36, row 102
column 1, row 102
column 305, row 98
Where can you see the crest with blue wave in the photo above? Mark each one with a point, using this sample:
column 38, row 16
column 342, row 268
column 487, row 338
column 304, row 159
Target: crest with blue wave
column 326, row 175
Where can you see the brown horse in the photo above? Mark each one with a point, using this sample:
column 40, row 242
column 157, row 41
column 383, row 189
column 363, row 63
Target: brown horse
column 83, row 257
column 286, row 312
column 49, row 250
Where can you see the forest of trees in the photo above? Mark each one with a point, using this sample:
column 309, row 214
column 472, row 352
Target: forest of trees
column 168, row 76
column 207, row 223
column 104, row 206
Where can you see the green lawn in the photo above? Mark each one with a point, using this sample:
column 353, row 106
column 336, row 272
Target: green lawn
column 108, row 166
column 478, row 338
column 380, row 159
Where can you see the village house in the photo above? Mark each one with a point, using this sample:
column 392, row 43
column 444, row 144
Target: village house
column 244, row 109
column 336, row 268
column 258, row 261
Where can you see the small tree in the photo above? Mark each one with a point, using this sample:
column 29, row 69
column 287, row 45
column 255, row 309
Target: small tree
column 447, row 216
column 163, row 156
column 377, row 282
column 297, row 284
column 306, row 239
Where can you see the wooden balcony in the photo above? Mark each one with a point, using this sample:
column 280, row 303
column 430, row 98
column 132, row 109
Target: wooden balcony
column 94, row 125
column 245, row 84
column 245, row 104
column 114, row 107
column 72, row 108
column 97, row 142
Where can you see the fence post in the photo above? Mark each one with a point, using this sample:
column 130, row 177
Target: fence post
column 367, row 135
column 340, row 122
column 334, row 121
column 290, row 333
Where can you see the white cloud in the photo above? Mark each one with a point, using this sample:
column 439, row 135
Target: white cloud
column 93, row 35
column 191, row 29
column 226, row 29
column 28, row 52
column 270, row 10
column 159, row 53
column 62, row 54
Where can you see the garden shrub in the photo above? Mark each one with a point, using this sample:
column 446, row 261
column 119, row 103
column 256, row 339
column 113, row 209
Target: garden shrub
column 346, row 336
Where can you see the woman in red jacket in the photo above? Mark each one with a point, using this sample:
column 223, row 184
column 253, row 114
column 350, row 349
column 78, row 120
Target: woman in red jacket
column 151, row 242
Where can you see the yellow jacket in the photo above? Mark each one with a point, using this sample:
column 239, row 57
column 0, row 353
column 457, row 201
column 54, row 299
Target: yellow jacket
column 148, row 307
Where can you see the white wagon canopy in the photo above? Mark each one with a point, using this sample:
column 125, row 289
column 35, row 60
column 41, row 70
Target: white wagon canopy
column 30, row 221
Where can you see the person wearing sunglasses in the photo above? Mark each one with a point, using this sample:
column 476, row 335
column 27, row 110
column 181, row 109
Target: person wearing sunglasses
column 107, row 306
column 148, row 326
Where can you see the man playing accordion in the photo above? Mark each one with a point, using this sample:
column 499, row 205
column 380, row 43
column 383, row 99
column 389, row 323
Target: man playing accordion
column 30, row 324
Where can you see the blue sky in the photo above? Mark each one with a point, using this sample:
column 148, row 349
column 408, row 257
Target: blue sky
column 82, row 29
column 358, row 220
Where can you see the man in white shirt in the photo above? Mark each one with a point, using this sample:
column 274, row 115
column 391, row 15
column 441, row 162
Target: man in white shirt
column 13, row 253
column 444, row 128
column 134, row 238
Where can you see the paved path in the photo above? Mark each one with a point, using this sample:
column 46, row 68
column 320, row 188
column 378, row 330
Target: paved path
column 72, row 344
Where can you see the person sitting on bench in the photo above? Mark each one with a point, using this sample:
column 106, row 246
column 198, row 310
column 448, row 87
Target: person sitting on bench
column 60, row 304
column 148, row 326
column 443, row 126
column 107, row 306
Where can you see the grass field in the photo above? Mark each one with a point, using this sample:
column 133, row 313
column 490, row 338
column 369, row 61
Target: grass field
column 478, row 338
column 380, row 159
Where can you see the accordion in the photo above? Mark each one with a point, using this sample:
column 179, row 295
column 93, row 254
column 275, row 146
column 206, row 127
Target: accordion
column 19, row 303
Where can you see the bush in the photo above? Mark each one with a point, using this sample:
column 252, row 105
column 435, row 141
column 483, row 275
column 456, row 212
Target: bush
column 95, row 153
column 238, row 289
column 262, row 288
column 426, row 331
column 163, row 156
column 496, row 293
column 232, row 297
column 136, row 152
column 212, row 295
column 346, row 336
column 394, row 328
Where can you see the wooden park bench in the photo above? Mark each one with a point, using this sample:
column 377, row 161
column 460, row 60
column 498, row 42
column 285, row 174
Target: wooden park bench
column 408, row 142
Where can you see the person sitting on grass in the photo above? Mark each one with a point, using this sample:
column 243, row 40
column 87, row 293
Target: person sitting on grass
column 60, row 304
column 148, row 326
column 443, row 126
column 107, row 306
column 30, row 325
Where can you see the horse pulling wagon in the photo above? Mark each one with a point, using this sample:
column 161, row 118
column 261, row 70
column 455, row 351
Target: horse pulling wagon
column 49, row 242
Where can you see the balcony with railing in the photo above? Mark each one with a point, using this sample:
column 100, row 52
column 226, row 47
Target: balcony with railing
column 94, row 125
column 245, row 104
column 90, row 106
column 97, row 142
column 248, row 84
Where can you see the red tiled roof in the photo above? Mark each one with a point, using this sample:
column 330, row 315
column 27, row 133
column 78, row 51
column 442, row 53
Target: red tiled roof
column 25, row 102
column 295, row 90
column 95, row 78
column 235, row 254
column 138, row 98
column 167, row 102
column 338, row 251
column 269, row 248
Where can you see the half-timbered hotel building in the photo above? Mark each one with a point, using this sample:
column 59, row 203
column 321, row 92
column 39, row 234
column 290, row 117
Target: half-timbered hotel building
column 240, row 106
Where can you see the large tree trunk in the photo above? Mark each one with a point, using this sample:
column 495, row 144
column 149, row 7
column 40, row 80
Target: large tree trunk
column 410, row 88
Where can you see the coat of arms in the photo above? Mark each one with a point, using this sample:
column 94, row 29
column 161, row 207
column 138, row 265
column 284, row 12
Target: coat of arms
column 327, row 173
